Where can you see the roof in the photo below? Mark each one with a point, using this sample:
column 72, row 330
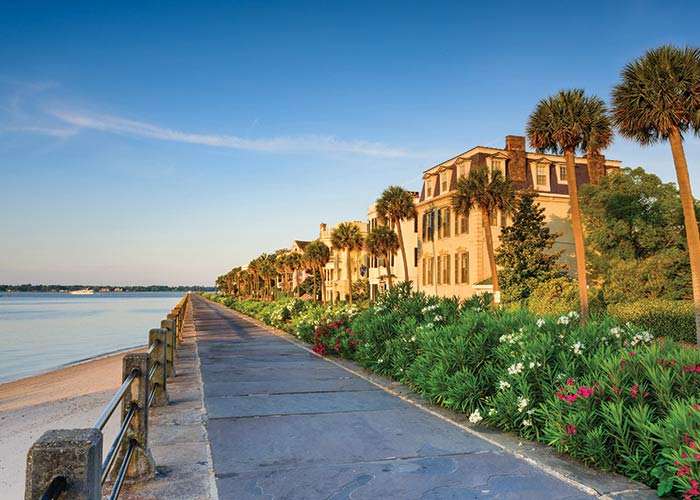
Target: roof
column 300, row 243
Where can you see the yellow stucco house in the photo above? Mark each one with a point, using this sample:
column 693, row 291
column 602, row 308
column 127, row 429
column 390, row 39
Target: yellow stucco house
column 452, row 258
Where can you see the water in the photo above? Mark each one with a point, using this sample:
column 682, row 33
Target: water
column 44, row 331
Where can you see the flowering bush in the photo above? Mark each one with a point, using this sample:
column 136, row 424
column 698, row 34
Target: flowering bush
column 335, row 338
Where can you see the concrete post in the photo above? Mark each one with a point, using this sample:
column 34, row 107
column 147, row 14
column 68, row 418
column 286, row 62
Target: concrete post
column 178, row 334
column 142, row 464
column 169, row 325
column 75, row 454
column 159, row 354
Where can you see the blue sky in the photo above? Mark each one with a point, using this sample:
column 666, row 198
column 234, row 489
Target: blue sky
column 166, row 142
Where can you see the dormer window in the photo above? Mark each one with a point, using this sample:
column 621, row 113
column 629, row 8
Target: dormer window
column 444, row 182
column 541, row 177
column 562, row 174
column 429, row 188
column 497, row 163
column 463, row 168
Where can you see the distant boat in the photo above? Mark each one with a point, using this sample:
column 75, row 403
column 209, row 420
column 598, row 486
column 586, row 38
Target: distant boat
column 84, row 291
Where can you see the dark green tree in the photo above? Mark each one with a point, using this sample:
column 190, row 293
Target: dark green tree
column 636, row 244
column 524, row 254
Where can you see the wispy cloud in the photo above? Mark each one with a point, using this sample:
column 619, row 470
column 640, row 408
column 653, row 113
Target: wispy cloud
column 301, row 143
column 53, row 132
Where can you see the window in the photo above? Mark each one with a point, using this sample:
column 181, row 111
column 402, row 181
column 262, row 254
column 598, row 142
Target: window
column 497, row 165
column 443, row 222
column 563, row 173
column 439, row 274
column 445, row 270
column 444, row 181
column 504, row 219
column 461, row 170
column 461, row 224
column 428, row 225
column 428, row 263
column 542, row 171
column 415, row 225
column 415, row 257
column 464, row 267
column 429, row 188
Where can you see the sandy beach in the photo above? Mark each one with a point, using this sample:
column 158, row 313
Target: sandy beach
column 71, row 397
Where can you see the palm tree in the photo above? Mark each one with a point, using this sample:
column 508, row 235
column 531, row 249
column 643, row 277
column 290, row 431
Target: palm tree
column 294, row 265
column 347, row 236
column 383, row 242
column 564, row 123
column 396, row 204
column 317, row 254
column 282, row 265
column 479, row 191
column 658, row 100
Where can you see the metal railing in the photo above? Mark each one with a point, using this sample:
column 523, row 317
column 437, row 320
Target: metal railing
column 68, row 462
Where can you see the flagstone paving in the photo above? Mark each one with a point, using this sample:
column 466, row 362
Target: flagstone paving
column 285, row 424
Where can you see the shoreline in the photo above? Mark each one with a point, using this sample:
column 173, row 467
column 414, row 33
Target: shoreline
column 96, row 357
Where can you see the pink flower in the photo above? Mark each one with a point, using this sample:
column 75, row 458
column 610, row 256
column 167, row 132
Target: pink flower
column 570, row 429
column 631, row 353
column 570, row 381
column 634, row 391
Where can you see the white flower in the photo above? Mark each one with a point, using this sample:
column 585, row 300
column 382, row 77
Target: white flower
column 526, row 423
column 540, row 322
column 475, row 417
column 615, row 331
column 563, row 320
column 522, row 404
column 492, row 412
column 380, row 361
column 577, row 348
column 503, row 385
column 535, row 364
column 413, row 339
column 437, row 318
column 573, row 315
column 515, row 369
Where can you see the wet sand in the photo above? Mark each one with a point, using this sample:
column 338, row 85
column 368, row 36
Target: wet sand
column 71, row 397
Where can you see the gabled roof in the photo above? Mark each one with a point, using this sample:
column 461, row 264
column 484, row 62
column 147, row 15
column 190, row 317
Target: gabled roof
column 301, row 244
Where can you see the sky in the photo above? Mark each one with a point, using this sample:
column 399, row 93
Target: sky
column 167, row 142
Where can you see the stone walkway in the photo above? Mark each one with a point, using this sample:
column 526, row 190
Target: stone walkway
column 285, row 424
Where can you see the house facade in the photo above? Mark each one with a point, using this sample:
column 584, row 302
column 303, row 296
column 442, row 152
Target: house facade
column 336, row 271
column 451, row 255
column 376, row 267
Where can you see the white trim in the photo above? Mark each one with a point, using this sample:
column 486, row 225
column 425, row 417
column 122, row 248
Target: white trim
column 558, row 167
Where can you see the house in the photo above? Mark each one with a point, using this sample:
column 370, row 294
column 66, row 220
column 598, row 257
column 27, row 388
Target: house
column 336, row 271
column 376, row 267
column 451, row 248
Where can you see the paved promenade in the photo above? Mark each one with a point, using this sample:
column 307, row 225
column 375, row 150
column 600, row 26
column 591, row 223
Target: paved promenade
column 285, row 424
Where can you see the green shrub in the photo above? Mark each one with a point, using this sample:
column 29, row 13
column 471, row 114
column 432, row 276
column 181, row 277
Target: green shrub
column 672, row 319
column 555, row 296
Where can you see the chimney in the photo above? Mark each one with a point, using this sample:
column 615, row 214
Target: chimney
column 517, row 165
column 322, row 229
column 515, row 143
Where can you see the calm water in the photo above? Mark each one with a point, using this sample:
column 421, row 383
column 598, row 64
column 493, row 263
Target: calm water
column 44, row 331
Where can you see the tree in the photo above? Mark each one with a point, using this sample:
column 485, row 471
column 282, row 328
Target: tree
column 316, row 255
column 487, row 193
column 395, row 205
column 564, row 123
column 635, row 237
column 658, row 99
column 382, row 242
column 347, row 236
column 522, row 255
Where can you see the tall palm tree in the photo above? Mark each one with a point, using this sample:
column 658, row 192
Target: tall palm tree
column 396, row 204
column 294, row 265
column 563, row 123
column 347, row 236
column 383, row 242
column 487, row 193
column 254, row 272
column 317, row 254
column 282, row 265
column 658, row 99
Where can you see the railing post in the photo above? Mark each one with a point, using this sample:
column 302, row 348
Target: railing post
column 142, row 464
column 169, row 325
column 75, row 455
column 178, row 337
column 159, row 355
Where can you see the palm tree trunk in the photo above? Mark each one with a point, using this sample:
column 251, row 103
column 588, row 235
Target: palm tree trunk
column 323, row 284
column 489, row 250
column 349, row 276
column 388, row 270
column 577, row 227
column 691, row 223
column 403, row 250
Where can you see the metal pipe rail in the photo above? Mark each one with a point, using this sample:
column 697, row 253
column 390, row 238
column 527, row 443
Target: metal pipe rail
column 82, row 472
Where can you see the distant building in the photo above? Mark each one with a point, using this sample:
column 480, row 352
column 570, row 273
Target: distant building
column 299, row 275
column 336, row 271
column 451, row 252
column 377, row 267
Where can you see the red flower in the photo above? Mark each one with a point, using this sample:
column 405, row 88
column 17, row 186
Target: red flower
column 570, row 429
column 634, row 391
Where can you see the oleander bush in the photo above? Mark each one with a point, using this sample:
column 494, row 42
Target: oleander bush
column 672, row 319
column 607, row 393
